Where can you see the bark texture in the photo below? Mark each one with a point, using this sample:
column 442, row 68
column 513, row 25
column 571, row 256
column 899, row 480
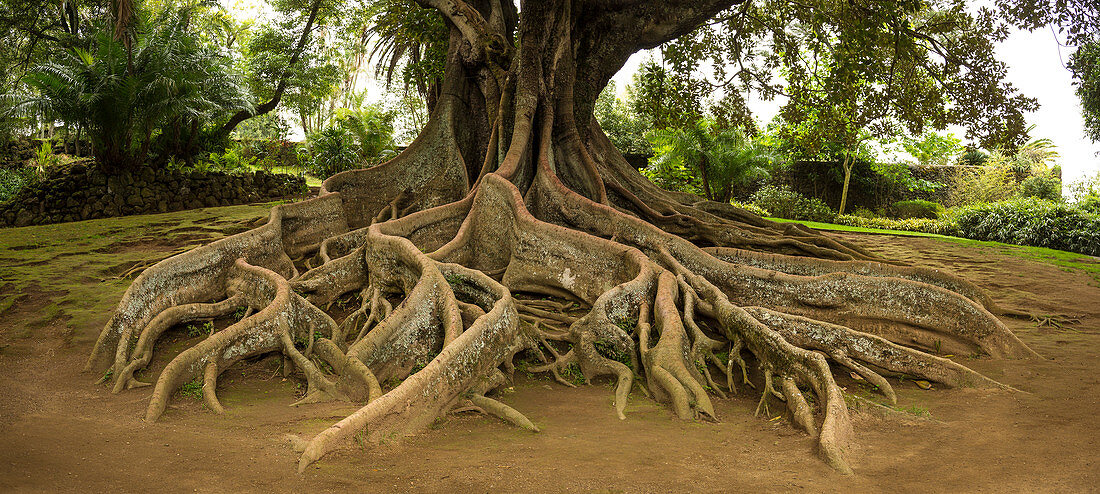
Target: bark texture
column 512, row 231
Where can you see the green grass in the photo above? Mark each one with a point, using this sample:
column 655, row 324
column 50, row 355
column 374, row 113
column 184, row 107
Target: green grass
column 1067, row 261
column 70, row 271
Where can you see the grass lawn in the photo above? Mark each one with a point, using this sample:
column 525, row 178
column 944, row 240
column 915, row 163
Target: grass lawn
column 1068, row 261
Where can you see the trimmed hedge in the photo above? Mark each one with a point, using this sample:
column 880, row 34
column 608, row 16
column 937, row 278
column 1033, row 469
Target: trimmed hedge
column 1033, row 222
column 1030, row 221
column 924, row 225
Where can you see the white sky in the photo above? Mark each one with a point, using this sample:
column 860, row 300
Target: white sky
column 1035, row 66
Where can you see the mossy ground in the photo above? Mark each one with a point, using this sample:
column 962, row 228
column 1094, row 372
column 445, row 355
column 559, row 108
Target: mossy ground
column 73, row 271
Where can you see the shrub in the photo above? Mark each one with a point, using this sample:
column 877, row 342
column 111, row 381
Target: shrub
column 1085, row 193
column 13, row 179
column 924, row 225
column 1048, row 188
column 1031, row 221
column 783, row 202
column 233, row 160
column 1089, row 204
column 332, row 151
column 272, row 153
column 752, row 208
column 917, row 208
column 864, row 213
column 990, row 183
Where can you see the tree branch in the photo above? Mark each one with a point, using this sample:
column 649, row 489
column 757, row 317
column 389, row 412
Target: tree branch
column 467, row 19
column 272, row 103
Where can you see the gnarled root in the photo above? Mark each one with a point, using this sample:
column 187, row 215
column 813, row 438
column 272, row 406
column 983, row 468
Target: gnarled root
column 603, row 292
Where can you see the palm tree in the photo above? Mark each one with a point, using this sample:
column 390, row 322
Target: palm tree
column 165, row 80
column 720, row 158
column 373, row 130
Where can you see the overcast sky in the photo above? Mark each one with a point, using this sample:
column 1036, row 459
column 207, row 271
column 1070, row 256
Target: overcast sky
column 1036, row 67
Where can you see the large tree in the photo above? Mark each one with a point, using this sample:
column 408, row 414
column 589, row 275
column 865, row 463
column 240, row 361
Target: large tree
column 510, row 225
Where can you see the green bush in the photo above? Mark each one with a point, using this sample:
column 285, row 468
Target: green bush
column 1089, row 204
column 752, row 208
column 13, row 179
column 863, row 213
column 993, row 182
column 1048, row 188
column 272, row 153
column 233, row 160
column 1085, row 193
column 783, row 202
column 332, row 151
column 1031, row 221
column 917, row 208
column 924, row 225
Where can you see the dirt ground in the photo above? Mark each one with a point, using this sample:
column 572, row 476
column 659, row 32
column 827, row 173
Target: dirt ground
column 61, row 432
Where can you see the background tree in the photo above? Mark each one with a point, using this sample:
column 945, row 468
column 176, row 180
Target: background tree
column 666, row 98
column 721, row 158
column 164, row 84
column 1079, row 23
column 625, row 128
column 1085, row 66
column 274, row 57
column 932, row 148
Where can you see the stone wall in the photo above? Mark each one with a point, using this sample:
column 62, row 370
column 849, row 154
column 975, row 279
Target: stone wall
column 81, row 193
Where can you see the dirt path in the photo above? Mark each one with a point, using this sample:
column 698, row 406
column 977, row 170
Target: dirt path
column 62, row 433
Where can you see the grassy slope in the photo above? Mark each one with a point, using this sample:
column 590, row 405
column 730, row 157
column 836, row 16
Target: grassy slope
column 71, row 271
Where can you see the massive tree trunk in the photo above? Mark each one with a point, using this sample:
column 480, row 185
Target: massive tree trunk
column 512, row 227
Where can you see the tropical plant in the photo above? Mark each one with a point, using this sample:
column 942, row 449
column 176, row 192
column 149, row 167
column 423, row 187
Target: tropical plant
column 409, row 42
column 332, row 151
column 372, row 128
column 719, row 158
column 165, row 83
column 44, row 157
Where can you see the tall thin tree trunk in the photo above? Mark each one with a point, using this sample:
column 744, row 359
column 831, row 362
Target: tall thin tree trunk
column 847, row 179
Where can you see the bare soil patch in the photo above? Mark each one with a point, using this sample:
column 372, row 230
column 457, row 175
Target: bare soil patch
column 63, row 433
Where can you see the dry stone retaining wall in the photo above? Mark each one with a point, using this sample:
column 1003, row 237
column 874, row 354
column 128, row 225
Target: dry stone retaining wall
column 82, row 193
